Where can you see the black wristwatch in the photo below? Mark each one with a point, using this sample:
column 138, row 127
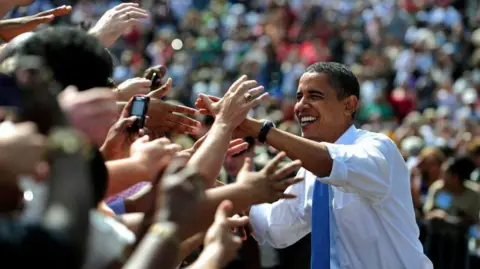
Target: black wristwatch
column 266, row 127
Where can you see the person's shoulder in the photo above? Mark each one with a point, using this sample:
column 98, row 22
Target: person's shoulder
column 380, row 140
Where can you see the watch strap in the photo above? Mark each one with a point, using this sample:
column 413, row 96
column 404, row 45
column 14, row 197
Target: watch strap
column 266, row 127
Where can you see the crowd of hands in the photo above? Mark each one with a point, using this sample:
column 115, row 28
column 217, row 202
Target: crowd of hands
column 180, row 179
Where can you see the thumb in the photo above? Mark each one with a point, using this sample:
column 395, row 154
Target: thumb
column 223, row 211
column 162, row 91
column 207, row 101
column 127, row 122
column 126, row 109
column 247, row 165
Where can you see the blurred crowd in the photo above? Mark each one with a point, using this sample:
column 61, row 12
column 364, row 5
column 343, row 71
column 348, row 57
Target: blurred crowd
column 417, row 61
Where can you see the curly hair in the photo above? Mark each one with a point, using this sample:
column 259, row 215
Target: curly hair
column 75, row 57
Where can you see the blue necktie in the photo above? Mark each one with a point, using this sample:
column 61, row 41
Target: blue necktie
column 320, row 227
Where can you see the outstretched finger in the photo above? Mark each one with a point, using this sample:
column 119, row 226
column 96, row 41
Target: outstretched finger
column 41, row 19
column 259, row 100
column 183, row 110
column 287, row 170
column 283, row 185
column 272, row 165
column 256, row 91
column 180, row 119
column 59, row 11
column 223, row 211
column 232, row 150
column 247, row 165
column 246, row 86
column 236, row 221
column 126, row 109
column 125, row 5
column 127, row 122
column 163, row 90
column 237, row 83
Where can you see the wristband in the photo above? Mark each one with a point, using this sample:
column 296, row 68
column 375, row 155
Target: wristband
column 266, row 127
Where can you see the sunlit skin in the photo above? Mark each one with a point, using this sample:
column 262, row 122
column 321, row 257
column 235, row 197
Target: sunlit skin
column 6, row 5
column 322, row 115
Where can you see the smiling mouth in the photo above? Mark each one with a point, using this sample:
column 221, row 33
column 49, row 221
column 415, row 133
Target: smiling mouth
column 304, row 121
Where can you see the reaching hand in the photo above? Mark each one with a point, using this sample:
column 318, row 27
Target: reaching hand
column 11, row 28
column 131, row 87
column 235, row 146
column 160, row 70
column 219, row 240
column 22, row 149
column 161, row 114
column 119, row 138
column 116, row 20
column 202, row 106
column 232, row 109
column 183, row 190
column 92, row 112
column 270, row 183
column 154, row 155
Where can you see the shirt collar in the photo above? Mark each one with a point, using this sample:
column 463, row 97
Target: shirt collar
column 348, row 137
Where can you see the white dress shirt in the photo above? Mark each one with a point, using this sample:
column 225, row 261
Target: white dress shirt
column 372, row 205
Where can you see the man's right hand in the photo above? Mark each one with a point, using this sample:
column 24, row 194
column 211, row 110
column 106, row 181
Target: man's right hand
column 270, row 183
column 203, row 109
column 233, row 108
column 22, row 149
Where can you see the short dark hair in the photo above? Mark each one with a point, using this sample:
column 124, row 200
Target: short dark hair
column 75, row 57
column 339, row 78
column 461, row 167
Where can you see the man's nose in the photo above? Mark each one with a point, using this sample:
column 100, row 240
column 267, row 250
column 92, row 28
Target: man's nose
column 301, row 105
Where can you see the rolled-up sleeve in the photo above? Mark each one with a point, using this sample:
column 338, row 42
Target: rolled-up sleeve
column 363, row 168
column 284, row 222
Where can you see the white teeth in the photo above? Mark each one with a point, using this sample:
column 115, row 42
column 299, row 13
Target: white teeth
column 307, row 120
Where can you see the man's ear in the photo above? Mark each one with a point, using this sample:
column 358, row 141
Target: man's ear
column 351, row 105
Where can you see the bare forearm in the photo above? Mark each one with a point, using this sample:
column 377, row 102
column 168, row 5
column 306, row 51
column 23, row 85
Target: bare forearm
column 314, row 156
column 241, row 197
column 209, row 158
column 124, row 174
column 154, row 252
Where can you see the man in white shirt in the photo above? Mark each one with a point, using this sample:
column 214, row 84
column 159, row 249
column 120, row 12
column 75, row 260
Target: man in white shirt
column 356, row 197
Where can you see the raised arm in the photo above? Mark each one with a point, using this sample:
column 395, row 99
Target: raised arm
column 220, row 134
